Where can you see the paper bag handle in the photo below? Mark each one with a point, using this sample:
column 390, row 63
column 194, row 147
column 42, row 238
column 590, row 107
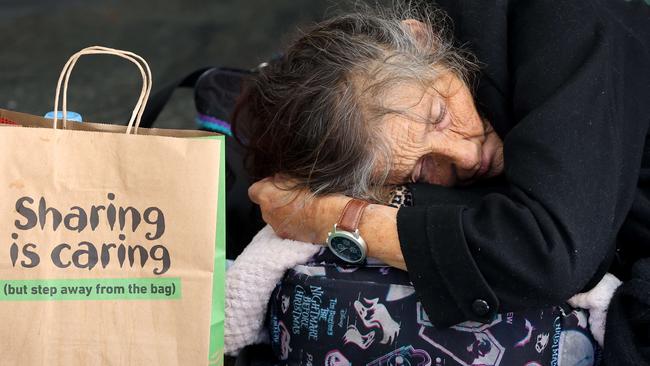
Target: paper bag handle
column 136, row 115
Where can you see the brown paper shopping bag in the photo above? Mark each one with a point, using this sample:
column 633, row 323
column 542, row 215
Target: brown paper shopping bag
column 107, row 239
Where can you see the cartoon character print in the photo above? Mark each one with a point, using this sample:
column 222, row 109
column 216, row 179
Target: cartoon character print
column 485, row 350
column 336, row 358
column 529, row 334
column 285, row 340
column 541, row 342
column 403, row 356
column 377, row 316
column 285, row 304
column 386, row 324
column 354, row 336
column 482, row 348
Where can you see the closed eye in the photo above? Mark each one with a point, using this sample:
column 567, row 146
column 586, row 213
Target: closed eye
column 442, row 114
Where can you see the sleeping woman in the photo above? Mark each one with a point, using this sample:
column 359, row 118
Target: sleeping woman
column 359, row 107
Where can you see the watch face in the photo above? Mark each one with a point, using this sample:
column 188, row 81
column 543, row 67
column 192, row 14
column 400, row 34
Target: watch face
column 346, row 248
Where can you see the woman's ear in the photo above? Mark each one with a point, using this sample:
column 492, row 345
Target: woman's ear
column 419, row 31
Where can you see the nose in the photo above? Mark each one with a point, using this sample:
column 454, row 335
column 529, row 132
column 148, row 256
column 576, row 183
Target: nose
column 465, row 155
column 450, row 162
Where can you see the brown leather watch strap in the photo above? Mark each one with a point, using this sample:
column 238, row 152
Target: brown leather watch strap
column 351, row 215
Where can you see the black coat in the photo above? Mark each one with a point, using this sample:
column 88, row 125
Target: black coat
column 567, row 85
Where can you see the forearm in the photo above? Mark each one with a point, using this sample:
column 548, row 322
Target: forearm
column 378, row 227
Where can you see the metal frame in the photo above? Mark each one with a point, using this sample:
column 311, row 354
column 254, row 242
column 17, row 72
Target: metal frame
column 355, row 237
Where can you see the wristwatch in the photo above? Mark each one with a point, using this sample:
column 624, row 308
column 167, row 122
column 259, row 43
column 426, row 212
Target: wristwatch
column 345, row 240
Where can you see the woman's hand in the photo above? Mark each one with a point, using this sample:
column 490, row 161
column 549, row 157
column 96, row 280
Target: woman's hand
column 297, row 215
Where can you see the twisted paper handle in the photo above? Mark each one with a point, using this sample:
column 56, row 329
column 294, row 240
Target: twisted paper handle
column 136, row 115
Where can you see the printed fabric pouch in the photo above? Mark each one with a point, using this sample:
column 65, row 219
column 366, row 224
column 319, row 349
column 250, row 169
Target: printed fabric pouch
column 335, row 314
column 113, row 242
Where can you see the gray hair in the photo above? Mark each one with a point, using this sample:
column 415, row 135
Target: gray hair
column 312, row 115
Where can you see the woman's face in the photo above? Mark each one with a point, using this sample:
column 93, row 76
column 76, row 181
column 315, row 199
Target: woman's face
column 440, row 139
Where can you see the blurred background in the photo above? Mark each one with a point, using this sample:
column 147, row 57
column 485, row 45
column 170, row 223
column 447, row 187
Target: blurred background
column 174, row 36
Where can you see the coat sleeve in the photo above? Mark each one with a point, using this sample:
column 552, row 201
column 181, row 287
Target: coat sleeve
column 571, row 166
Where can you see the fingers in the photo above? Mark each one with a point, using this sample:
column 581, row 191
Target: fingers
column 276, row 190
column 284, row 206
column 255, row 191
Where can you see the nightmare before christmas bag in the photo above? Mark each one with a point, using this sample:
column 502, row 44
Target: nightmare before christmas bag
column 330, row 313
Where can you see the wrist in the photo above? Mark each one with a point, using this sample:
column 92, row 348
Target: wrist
column 328, row 213
column 377, row 226
column 344, row 240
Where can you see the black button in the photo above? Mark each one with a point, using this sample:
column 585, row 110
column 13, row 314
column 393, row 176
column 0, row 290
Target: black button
column 480, row 307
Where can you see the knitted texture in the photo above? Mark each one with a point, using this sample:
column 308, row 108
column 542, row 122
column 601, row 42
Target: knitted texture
column 250, row 282
column 597, row 301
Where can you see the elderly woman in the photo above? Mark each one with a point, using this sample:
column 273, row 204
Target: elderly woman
column 355, row 106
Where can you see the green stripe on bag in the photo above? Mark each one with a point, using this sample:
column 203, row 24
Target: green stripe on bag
column 91, row 289
column 218, row 283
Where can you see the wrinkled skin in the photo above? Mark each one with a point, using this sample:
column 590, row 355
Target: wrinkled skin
column 441, row 140
column 286, row 210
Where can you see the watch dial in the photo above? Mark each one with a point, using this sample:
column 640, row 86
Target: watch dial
column 346, row 248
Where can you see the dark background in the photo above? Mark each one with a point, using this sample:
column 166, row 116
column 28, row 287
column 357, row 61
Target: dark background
column 174, row 36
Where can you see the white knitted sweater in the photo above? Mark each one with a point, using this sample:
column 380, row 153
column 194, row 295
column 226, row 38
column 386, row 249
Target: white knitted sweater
column 250, row 281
